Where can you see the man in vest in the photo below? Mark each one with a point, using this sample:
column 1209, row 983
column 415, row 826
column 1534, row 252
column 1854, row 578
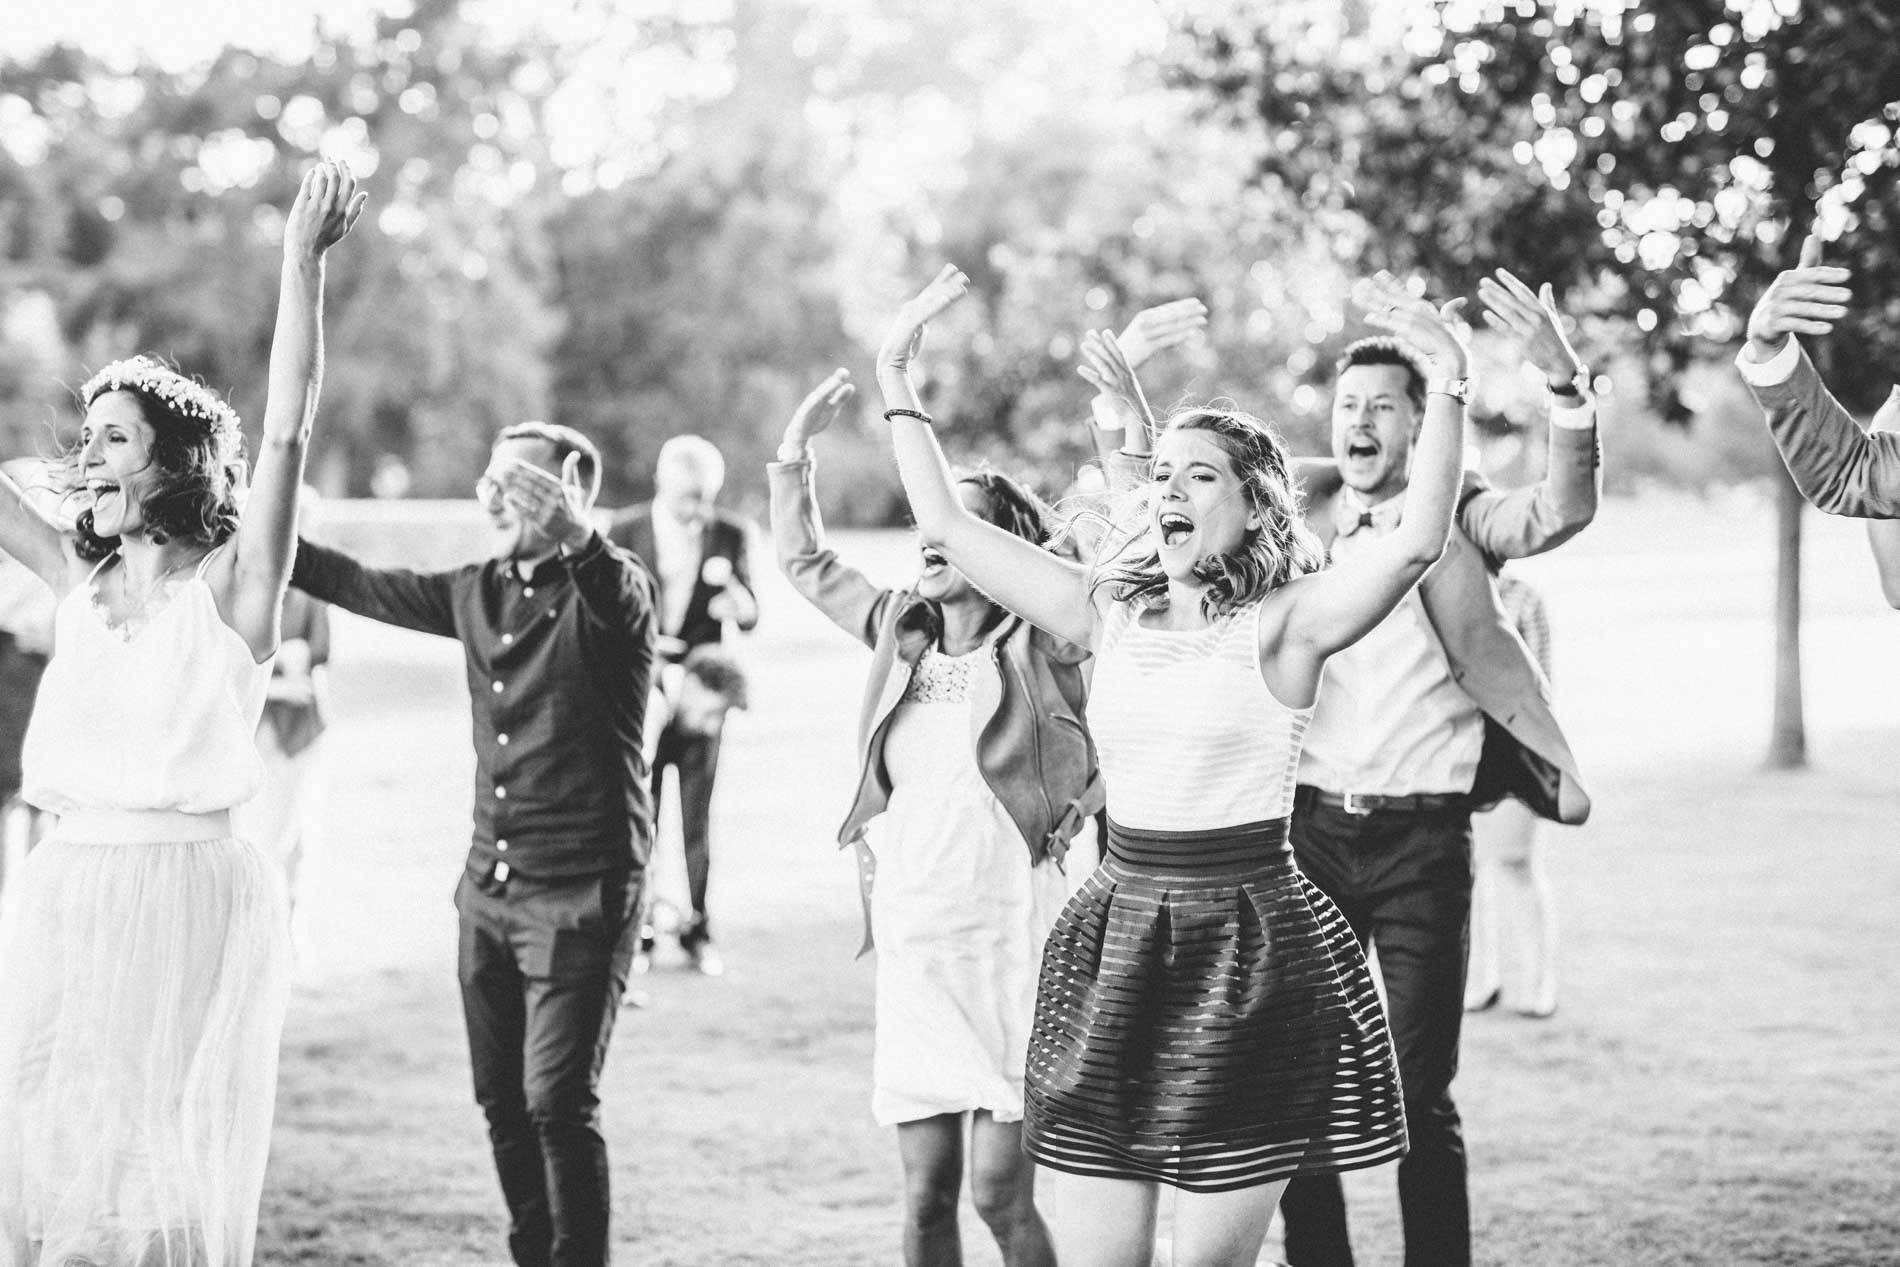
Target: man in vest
column 1440, row 709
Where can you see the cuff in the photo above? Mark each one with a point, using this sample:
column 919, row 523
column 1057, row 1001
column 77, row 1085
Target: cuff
column 1774, row 371
column 1580, row 416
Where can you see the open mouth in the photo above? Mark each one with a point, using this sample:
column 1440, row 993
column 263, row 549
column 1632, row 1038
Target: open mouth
column 1175, row 527
column 934, row 562
column 100, row 490
column 1362, row 447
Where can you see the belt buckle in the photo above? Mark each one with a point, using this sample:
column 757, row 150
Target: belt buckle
column 1353, row 803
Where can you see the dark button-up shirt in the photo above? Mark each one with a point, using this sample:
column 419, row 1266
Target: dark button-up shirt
column 558, row 670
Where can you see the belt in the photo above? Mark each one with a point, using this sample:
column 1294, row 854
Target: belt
column 1361, row 803
column 142, row 826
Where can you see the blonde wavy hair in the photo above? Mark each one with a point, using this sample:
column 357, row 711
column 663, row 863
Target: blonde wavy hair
column 1282, row 548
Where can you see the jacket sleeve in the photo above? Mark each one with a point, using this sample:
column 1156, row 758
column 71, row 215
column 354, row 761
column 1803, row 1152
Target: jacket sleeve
column 1839, row 468
column 1521, row 522
column 841, row 592
column 423, row 601
column 612, row 587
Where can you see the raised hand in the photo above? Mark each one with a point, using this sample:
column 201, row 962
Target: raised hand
column 1432, row 332
column 558, row 507
column 1161, row 327
column 816, row 412
column 1533, row 321
column 1119, row 403
column 906, row 334
column 326, row 208
column 1806, row 299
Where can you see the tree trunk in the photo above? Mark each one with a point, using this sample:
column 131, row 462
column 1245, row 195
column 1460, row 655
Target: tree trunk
column 1788, row 737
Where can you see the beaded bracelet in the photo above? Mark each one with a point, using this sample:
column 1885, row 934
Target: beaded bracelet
column 919, row 415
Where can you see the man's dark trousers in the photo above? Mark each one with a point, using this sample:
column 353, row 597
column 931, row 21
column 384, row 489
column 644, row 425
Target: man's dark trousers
column 542, row 967
column 696, row 757
column 1402, row 878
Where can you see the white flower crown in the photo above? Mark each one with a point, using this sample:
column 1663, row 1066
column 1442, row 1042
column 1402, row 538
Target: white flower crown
column 172, row 389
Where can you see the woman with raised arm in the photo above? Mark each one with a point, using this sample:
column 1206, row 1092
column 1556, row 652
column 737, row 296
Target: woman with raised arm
column 145, row 958
column 1204, row 1019
column 975, row 773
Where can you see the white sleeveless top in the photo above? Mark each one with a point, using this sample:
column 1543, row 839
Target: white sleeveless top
column 161, row 715
column 1189, row 736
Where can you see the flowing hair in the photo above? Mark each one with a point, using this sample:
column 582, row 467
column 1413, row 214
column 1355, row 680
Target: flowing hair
column 1282, row 548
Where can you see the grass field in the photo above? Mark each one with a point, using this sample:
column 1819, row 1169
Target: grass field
column 1720, row 1086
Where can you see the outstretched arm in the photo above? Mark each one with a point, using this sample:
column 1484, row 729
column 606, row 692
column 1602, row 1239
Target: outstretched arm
column 1325, row 611
column 1048, row 592
column 31, row 536
column 1839, row 468
column 326, row 207
column 835, row 588
column 1519, row 522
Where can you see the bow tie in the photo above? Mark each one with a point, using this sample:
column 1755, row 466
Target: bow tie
column 1355, row 515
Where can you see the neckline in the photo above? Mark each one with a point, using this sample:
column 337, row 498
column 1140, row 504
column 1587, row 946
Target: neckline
column 1211, row 626
column 170, row 582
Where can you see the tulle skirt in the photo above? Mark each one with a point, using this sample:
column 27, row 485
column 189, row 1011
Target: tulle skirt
column 142, row 992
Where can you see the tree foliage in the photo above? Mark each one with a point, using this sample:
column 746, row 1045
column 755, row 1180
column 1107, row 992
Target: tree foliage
column 1660, row 160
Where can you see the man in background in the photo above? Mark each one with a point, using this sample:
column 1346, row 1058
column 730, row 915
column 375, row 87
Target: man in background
column 697, row 554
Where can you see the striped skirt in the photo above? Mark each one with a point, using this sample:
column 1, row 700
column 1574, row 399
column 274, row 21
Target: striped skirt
column 1205, row 1019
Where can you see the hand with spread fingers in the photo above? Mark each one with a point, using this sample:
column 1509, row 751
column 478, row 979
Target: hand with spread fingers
column 327, row 205
column 1154, row 330
column 557, row 507
column 1806, row 299
column 1532, row 319
column 814, row 414
column 1119, row 404
column 1432, row 332
column 906, row 334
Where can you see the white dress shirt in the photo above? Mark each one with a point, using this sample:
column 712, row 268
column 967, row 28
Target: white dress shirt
column 1390, row 721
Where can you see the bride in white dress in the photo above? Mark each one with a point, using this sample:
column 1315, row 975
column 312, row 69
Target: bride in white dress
column 142, row 963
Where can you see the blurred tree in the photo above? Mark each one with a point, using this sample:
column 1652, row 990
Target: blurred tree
column 1657, row 161
column 147, row 204
column 700, row 297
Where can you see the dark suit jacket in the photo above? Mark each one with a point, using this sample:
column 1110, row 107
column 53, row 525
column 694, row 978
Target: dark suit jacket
column 1525, row 753
column 1838, row 467
column 724, row 537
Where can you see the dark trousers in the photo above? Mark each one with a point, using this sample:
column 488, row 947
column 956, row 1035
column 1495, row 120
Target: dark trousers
column 542, row 968
column 696, row 757
column 1403, row 881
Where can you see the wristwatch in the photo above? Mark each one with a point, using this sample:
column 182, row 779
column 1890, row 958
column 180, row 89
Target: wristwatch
column 1575, row 387
column 1458, row 389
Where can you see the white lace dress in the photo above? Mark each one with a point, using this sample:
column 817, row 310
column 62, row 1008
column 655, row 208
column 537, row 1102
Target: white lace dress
column 959, row 915
column 143, row 953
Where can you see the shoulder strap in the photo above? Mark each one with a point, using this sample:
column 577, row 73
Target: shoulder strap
column 100, row 567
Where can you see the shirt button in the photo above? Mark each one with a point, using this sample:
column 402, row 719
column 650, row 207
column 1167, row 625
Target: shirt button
column 501, row 793
column 552, row 613
column 502, row 740
column 507, row 640
column 529, row 592
column 497, row 687
column 501, row 846
column 501, row 871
